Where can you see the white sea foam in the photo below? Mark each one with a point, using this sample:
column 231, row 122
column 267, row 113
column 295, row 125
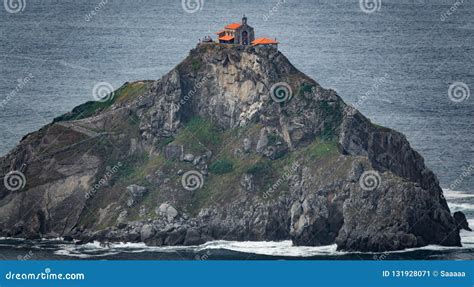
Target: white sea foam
column 453, row 206
column 70, row 253
column 270, row 248
column 456, row 194
column 281, row 248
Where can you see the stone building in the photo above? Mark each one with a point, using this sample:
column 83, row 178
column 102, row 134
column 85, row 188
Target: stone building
column 242, row 34
column 237, row 33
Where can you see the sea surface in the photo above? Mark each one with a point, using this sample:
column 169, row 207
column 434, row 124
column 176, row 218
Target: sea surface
column 395, row 65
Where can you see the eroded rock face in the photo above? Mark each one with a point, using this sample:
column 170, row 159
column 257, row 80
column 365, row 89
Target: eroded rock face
column 292, row 170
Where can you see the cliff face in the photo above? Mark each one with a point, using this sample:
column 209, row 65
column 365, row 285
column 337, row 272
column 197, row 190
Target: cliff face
column 210, row 151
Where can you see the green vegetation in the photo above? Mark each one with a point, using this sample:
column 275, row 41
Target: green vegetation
column 323, row 148
column 127, row 91
column 199, row 135
column 196, row 64
column 135, row 168
column 83, row 111
column 222, row 166
column 332, row 114
column 305, row 88
column 260, row 167
column 273, row 139
column 164, row 142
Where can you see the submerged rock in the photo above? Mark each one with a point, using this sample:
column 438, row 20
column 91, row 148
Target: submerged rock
column 461, row 221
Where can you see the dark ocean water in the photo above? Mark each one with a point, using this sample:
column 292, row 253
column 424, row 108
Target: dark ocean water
column 395, row 65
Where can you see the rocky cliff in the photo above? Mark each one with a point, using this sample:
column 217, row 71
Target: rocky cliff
column 234, row 143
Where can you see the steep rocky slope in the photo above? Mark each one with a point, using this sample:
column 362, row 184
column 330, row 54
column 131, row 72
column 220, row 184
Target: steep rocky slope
column 210, row 151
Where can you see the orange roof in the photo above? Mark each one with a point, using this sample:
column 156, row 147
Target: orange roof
column 233, row 26
column 220, row 32
column 226, row 38
column 263, row 41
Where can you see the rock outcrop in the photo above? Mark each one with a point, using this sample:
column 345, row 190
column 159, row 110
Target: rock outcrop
column 235, row 144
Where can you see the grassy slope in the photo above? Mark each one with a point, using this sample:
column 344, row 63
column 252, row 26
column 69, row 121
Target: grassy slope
column 197, row 137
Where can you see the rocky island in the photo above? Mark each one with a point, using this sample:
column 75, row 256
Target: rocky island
column 234, row 143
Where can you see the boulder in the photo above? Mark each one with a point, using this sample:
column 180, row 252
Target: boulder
column 122, row 217
column 246, row 182
column 247, row 145
column 136, row 191
column 167, row 210
column 262, row 140
column 193, row 237
column 188, row 157
column 147, row 232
